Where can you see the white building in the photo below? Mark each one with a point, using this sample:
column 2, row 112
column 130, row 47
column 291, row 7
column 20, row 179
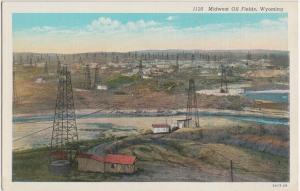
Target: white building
column 101, row 87
column 40, row 80
column 161, row 128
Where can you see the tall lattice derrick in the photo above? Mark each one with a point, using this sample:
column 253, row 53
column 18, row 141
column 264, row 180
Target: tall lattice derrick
column 177, row 64
column 140, row 73
column 96, row 78
column 223, row 80
column 58, row 69
column 87, row 77
column 192, row 114
column 193, row 58
column 64, row 133
column 16, row 99
column 248, row 58
column 46, row 67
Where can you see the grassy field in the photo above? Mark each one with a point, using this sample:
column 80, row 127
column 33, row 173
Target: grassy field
column 180, row 154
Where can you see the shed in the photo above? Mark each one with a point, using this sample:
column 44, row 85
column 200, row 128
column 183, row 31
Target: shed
column 183, row 123
column 161, row 128
column 117, row 163
column 113, row 163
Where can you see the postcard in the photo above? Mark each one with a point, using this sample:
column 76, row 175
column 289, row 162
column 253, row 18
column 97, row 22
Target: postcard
column 173, row 95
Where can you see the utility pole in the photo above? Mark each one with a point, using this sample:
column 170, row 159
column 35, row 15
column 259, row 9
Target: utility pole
column 231, row 170
column 192, row 113
column 64, row 137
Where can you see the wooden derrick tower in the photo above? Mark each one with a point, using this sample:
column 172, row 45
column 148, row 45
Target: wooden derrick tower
column 192, row 114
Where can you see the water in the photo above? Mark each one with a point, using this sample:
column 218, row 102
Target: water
column 237, row 117
column 274, row 96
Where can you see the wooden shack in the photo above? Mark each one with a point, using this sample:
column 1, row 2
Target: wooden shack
column 161, row 128
column 116, row 163
column 183, row 123
column 113, row 163
column 90, row 163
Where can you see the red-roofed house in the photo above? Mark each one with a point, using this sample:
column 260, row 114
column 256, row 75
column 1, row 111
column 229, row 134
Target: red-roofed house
column 115, row 163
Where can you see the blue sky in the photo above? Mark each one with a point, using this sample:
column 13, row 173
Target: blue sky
column 132, row 31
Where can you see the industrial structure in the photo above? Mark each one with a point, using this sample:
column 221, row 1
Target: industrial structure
column 46, row 67
column 64, row 133
column 192, row 114
column 16, row 99
column 96, row 77
column 223, row 80
column 140, row 72
column 58, row 66
column 177, row 68
column 87, row 78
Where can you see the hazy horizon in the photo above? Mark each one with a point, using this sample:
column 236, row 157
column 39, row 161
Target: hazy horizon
column 71, row 33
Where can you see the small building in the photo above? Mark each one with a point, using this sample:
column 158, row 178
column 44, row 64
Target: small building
column 101, row 87
column 161, row 128
column 113, row 163
column 116, row 163
column 39, row 80
column 183, row 123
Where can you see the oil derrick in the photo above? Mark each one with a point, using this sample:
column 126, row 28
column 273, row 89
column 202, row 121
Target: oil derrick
column 14, row 60
column 177, row 64
column 87, row 77
column 96, row 79
column 35, row 61
column 64, row 140
column 105, row 57
column 16, row 99
column 58, row 66
column 95, row 57
column 140, row 73
column 46, row 66
column 135, row 55
column 30, row 61
column 248, row 58
column 192, row 114
column 21, row 60
column 193, row 58
column 223, row 80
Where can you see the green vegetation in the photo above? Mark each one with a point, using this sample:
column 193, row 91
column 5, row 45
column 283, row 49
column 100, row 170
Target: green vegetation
column 120, row 80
